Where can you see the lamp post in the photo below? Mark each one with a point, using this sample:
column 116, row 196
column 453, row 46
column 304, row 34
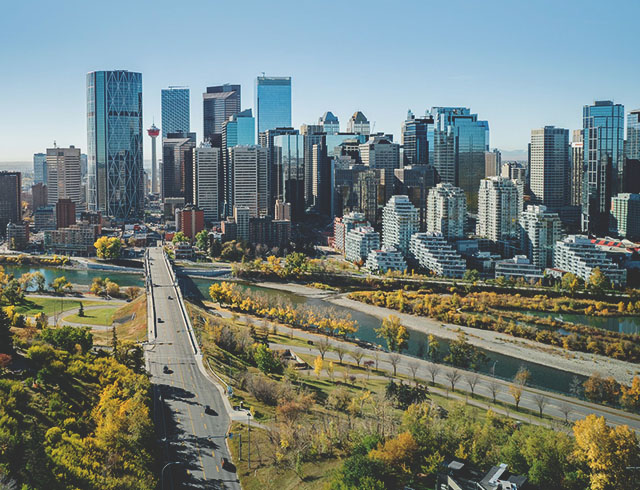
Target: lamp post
column 162, row 472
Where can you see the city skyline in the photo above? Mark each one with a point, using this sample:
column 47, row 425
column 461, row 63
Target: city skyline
column 540, row 89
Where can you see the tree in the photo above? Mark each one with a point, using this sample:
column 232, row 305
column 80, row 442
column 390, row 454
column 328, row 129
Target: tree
column 610, row 453
column 398, row 453
column 463, row 354
column 340, row 351
column 570, row 282
column 433, row 369
column 215, row 249
column 471, row 275
column 453, row 375
column 357, row 355
column 108, row 248
column 434, row 346
column 394, row 333
column 413, row 367
column 266, row 360
column 472, row 380
column 317, row 365
column 81, row 310
column 394, row 359
column 60, row 285
column 541, row 402
column 133, row 292
column 494, row 388
column 202, row 240
column 631, row 395
column 323, row 346
column 520, row 380
column 330, row 370
column 112, row 288
column 5, row 361
column 6, row 339
column 601, row 390
column 565, row 409
column 40, row 281
column 598, row 281
column 71, row 339
column 179, row 237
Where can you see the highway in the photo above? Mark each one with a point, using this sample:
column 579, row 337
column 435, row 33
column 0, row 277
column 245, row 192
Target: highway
column 192, row 438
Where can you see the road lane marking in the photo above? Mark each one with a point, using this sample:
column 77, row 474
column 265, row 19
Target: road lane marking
column 205, row 426
column 217, row 469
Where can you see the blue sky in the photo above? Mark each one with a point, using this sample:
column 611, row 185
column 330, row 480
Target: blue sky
column 518, row 64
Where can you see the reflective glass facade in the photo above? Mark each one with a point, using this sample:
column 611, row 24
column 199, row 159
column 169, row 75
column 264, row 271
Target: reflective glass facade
column 39, row 168
column 415, row 140
column 632, row 149
column 114, row 143
column 273, row 103
column 175, row 110
column 219, row 103
column 290, row 153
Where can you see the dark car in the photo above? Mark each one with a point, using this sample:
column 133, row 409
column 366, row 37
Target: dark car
column 224, row 462
column 169, row 297
column 210, row 411
column 166, row 370
column 160, row 320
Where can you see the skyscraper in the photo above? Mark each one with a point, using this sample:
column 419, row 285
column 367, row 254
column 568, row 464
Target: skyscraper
column 114, row 143
column 577, row 169
column 273, row 102
column 289, row 150
column 177, row 166
column 549, row 166
column 39, row 168
column 329, row 123
column 382, row 154
column 10, row 199
column 219, row 103
column 632, row 148
column 359, row 124
column 498, row 208
column 314, row 134
column 625, row 219
column 250, row 185
column 460, row 141
column 415, row 139
column 206, row 183
column 539, row 231
column 63, row 179
column 446, row 211
column 400, row 220
column 175, row 110
column 603, row 132
column 239, row 129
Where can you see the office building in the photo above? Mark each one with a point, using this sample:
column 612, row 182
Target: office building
column 39, row 168
column 632, row 144
column 540, row 229
column 415, row 181
column 65, row 213
column 39, row 195
column 549, row 166
column 460, row 142
column 314, row 134
column 380, row 153
column 359, row 242
column 446, row 211
column 369, row 193
column 241, row 217
column 114, row 144
column 415, row 142
column 498, row 209
column 176, row 113
column 580, row 256
column 10, row 199
column 518, row 267
column 359, row 124
column 239, row 129
column 282, row 211
column 492, row 163
column 191, row 221
column 576, row 187
column 329, row 123
column 250, row 185
column 400, row 220
column 289, row 154
column 625, row 216
column 342, row 226
column 17, row 236
column 603, row 133
column 219, row 103
column 63, row 175
column 321, row 190
column 385, row 259
column 206, row 181
column 44, row 218
column 273, row 103
column 177, row 166
column 432, row 252
column 77, row 239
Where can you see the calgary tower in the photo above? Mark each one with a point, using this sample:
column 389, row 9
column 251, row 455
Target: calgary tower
column 153, row 132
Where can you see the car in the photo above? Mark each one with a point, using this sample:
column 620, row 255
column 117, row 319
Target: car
column 166, row 370
column 224, row 462
column 160, row 320
column 209, row 410
column 169, row 297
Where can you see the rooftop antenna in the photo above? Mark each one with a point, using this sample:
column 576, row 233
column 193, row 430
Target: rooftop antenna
column 54, row 144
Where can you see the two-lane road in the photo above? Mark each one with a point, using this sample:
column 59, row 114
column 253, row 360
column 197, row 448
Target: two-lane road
column 190, row 433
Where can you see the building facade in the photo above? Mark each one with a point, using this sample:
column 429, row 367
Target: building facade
column 359, row 124
column 400, row 220
column 176, row 112
column 625, row 216
column 384, row 260
column 415, row 139
column 499, row 201
column 380, row 153
column 549, row 166
column 177, row 166
column 10, row 199
column 359, row 242
column 250, row 185
column 446, row 211
column 219, row 103
column 540, row 229
column 64, row 175
column 206, row 181
column 580, row 256
column 432, row 252
column 577, row 189
column 114, row 144
column 39, row 168
column 273, row 103
column 329, row 123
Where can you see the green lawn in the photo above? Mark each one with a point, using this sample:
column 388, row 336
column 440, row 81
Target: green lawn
column 50, row 306
column 96, row 316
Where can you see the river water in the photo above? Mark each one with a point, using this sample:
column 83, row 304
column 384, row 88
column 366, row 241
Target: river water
column 82, row 277
column 505, row 367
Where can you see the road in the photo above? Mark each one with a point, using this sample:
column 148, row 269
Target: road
column 191, row 435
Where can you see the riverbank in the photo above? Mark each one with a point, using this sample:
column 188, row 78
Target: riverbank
column 579, row 363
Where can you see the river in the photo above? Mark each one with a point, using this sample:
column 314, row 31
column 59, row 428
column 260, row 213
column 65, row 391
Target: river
column 505, row 367
column 622, row 324
column 82, row 277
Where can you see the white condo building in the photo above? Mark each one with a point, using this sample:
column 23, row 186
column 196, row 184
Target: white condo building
column 539, row 231
column 400, row 220
column 384, row 260
column 518, row 267
column 579, row 255
column 499, row 207
column 206, row 187
column 446, row 210
column 359, row 242
column 432, row 252
column 342, row 226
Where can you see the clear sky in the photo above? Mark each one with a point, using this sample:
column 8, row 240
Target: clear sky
column 517, row 64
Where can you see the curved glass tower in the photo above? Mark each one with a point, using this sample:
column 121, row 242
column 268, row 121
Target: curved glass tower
column 114, row 144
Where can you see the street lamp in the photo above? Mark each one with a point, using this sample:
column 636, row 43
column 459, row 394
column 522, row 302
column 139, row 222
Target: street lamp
column 493, row 369
column 162, row 472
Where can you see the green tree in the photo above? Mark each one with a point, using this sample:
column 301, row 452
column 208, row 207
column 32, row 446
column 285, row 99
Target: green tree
column 215, row 249
column 265, row 359
column 81, row 310
column 598, row 281
column 39, row 280
column 570, row 282
column 61, row 285
column 108, row 248
column 463, row 354
column 179, row 237
column 296, row 264
column 471, row 275
column 69, row 338
column 6, row 338
column 202, row 240
column 394, row 333
column 434, row 347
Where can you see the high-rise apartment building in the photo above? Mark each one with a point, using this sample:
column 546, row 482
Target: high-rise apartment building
column 289, row 153
column 314, row 134
column 415, row 140
column 63, row 175
column 625, row 216
column 359, row 124
column 580, row 256
column 492, row 163
column 540, row 229
column 206, row 181
column 359, row 242
column 39, row 195
column 460, row 141
column 176, row 113
column 498, row 208
column 576, row 187
column 10, row 199
column 219, row 103
column 381, row 153
column 603, row 132
column 446, row 211
column 177, row 166
column 415, row 181
column 273, row 102
column 250, row 183
column 549, row 166
column 400, row 220
column 114, row 143
column 329, row 123
column 39, row 168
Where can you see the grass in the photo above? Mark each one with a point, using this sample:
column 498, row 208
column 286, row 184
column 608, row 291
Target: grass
column 95, row 316
column 51, row 306
column 135, row 328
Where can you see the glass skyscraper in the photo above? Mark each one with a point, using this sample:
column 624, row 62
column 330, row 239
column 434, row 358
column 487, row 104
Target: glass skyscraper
column 273, row 103
column 39, row 168
column 603, row 132
column 218, row 104
column 632, row 149
column 175, row 110
column 460, row 141
column 238, row 130
column 114, row 143
column 415, row 139
column 290, row 156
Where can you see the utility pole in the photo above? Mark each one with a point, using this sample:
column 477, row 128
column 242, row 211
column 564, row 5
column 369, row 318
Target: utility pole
column 239, row 447
column 249, row 441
